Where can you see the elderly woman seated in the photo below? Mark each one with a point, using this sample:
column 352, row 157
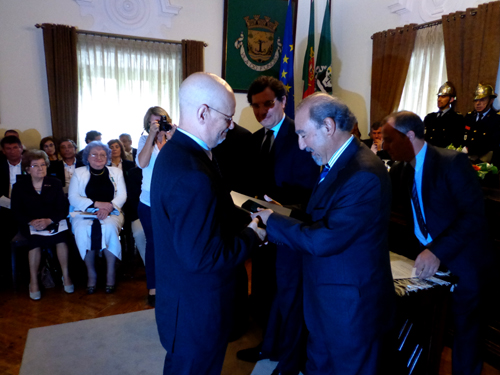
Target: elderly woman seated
column 99, row 189
column 39, row 204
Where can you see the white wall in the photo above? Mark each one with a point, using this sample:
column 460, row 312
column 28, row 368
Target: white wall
column 24, row 103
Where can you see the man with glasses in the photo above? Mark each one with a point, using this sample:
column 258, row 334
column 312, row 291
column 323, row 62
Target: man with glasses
column 286, row 174
column 200, row 242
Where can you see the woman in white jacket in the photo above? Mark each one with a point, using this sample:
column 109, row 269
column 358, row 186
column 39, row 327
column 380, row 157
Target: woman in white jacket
column 100, row 189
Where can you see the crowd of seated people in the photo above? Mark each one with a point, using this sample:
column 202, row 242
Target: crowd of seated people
column 39, row 189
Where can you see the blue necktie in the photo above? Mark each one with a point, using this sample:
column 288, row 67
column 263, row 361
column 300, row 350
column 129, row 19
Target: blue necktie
column 416, row 202
column 324, row 172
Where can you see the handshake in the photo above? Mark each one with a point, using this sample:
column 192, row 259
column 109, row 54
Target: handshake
column 261, row 216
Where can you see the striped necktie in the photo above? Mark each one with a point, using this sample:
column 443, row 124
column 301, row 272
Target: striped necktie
column 324, row 172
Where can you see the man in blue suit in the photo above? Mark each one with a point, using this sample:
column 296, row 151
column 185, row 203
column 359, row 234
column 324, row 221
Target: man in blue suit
column 348, row 288
column 440, row 194
column 287, row 174
column 199, row 242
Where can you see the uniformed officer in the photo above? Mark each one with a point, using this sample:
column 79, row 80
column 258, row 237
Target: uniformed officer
column 446, row 126
column 482, row 126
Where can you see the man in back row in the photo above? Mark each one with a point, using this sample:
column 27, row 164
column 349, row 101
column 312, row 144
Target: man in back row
column 280, row 170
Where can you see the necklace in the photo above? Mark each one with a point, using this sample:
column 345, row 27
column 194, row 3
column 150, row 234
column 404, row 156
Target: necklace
column 96, row 174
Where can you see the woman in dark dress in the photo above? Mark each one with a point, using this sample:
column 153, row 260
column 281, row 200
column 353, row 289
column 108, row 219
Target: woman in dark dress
column 39, row 204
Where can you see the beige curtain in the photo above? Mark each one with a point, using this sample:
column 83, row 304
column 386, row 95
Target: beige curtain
column 62, row 79
column 472, row 48
column 392, row 51
column 192, row 57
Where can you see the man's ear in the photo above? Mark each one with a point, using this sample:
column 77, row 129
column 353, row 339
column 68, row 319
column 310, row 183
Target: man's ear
column 411, row 135
column 452, row 99
column 329, row 125
column 283, row 101
column 202, row 113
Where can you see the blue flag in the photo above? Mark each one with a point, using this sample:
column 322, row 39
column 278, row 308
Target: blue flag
column 286, row 67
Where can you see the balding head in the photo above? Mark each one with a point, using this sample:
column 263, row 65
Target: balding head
column 207, row 106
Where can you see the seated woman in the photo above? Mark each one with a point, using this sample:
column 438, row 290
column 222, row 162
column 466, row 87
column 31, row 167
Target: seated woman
column 38, row 201
column 48, row 145
column 119, row 158
column 96, row 187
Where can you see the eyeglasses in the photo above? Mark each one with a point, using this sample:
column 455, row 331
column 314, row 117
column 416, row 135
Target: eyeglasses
column 268, row 104
column 229, row 119
column 38, row 166
column 95, row 156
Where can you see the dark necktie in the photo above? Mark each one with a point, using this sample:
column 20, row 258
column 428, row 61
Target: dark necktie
column 266, row 145
column 440, row 113
column 412, row 186
column 480, row 117
column 324, row 172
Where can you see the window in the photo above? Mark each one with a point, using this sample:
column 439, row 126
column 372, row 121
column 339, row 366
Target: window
column 119, row 79
column 426, row 73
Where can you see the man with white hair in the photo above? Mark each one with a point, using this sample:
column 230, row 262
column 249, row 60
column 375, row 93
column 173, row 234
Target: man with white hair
column 348, row 287
column 199, row 241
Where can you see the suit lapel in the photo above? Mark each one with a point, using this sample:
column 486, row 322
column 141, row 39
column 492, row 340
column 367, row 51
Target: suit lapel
column 325, row 186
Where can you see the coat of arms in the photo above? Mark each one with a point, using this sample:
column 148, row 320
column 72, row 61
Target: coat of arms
column 260, row 44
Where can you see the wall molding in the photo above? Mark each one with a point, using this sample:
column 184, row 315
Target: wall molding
column 139, row 16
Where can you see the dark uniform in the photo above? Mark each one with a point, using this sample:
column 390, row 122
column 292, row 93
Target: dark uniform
column 443, row 129
column 482, row 136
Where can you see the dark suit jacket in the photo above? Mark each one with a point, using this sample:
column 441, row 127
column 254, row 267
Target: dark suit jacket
column 232, row 156
column 348, row 287
column 381, row 154
column 4, row 177
column 482, row 136
column 444, row 130
column 56, row 169
column 454, row 210
column 295, row 172
column 28, row 205
column 199, row 249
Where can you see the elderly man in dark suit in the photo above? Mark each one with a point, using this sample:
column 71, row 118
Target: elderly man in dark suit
column 283, row 172
column 199, row 242
column 348, row 288
column 441, row 196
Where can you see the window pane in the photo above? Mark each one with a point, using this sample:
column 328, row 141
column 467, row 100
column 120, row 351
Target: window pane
column 426, row 73
column 119, row 79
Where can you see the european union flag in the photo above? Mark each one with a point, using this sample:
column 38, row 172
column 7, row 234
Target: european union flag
column 286, row 68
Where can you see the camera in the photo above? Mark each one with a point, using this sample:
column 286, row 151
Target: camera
column 164, row 124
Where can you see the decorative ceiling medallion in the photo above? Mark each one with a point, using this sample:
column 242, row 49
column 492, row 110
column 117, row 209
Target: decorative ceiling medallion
column 128, row 13
column 142, row 16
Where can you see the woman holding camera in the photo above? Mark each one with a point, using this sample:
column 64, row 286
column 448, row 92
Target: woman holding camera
column 147, row 151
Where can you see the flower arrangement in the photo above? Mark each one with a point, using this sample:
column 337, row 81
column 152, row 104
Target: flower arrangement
column 460, row 148
column 483, row 169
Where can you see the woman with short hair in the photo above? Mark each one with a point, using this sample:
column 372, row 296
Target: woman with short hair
column 99, row 189
column 39, row 204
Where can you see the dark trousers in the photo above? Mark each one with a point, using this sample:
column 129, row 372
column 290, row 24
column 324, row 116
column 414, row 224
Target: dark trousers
column 144, row 212
column 469, row 316
column 285, row 335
